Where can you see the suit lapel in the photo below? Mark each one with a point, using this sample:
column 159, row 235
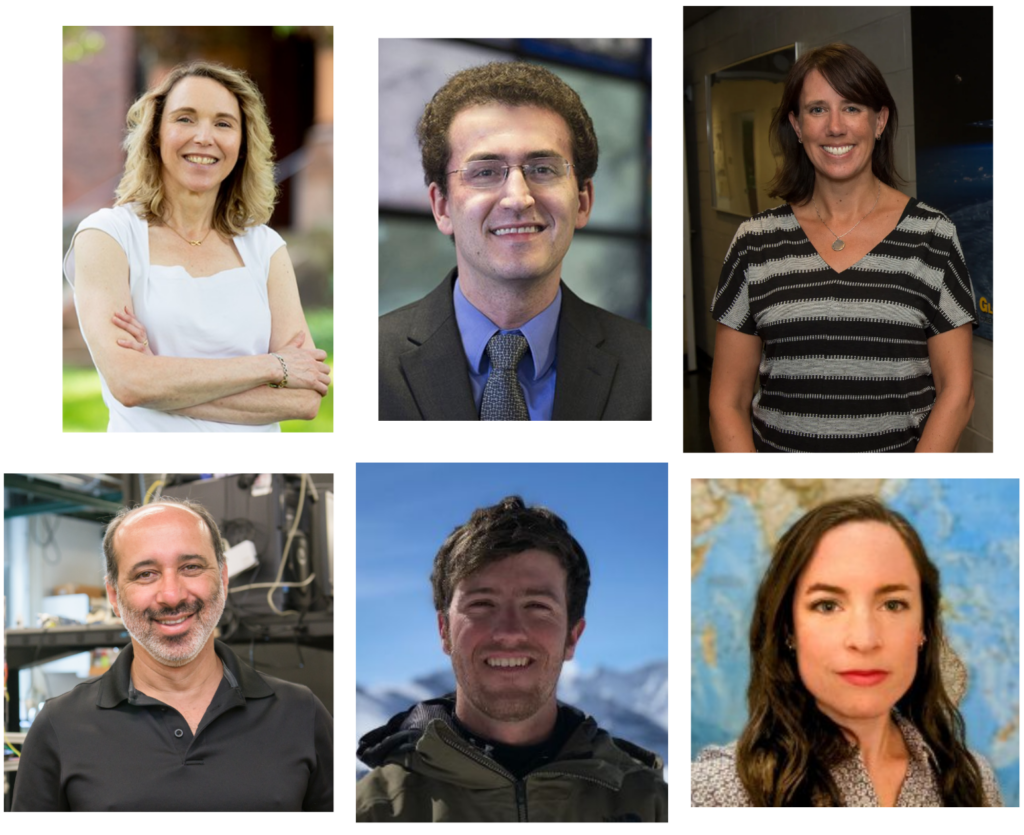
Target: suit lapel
column 585, row 372
column 436, row 370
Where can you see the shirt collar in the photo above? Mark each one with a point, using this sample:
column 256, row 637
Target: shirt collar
column 116, row 685
column 476, row 329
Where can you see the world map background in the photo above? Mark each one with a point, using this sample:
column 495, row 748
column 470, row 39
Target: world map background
column 971, row 530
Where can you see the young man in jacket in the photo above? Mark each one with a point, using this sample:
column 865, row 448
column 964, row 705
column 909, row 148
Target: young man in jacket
column 510, row 589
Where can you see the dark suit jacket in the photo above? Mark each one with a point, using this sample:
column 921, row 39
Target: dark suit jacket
column 603, row 363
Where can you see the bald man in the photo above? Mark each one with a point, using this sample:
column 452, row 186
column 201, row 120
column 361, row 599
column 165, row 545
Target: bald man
column 176, row 698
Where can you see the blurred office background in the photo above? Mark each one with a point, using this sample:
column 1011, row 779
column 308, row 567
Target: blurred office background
column 938, row 65
column 609, row 262
column 107, row 67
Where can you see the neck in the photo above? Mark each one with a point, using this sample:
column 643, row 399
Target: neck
column 530, row 731
column 190, row 213
column 878, row 739
column 510, row 304
column 152, row 677
column 846, row 199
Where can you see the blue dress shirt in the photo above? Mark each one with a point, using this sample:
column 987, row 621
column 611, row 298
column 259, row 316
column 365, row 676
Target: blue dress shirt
column 536, row 369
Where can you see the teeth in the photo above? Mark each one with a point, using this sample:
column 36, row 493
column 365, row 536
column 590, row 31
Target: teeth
column 837, row 151
column 517, row 229
column 507, row 662
column 201, row 160
column 174, row 622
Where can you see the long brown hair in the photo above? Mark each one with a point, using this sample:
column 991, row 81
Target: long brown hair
column 788, row 748
column 854, row 77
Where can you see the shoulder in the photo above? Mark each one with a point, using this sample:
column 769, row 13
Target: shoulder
column 778, row 218
column 388, row 792
column 120, row 222
column 989, row 783
column 262, row 241
column 616, row 329
column 927, row 220
column 69, row 711
column 289, row 693
column 714, row 780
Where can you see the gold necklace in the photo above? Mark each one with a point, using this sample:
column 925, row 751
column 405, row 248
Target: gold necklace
column 840, row 244
column 192, row 243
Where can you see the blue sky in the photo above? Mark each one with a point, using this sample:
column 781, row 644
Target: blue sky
column 618, row 512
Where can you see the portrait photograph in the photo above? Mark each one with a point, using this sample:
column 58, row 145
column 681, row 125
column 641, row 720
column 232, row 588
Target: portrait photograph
column 198, row 228
column 511, row 642
column 514, row 229
column 169, row 642
column 855, row 642
column 839, row 261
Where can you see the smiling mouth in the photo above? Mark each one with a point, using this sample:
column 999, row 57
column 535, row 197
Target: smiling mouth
column 837, row 150
column 200, row 160
column 508, row 662
column 516, row 230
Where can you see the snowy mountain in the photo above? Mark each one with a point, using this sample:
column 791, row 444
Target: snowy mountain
column 632, row 704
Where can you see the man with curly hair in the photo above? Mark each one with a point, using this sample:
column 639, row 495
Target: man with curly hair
column 509, row 154
column 510, row 590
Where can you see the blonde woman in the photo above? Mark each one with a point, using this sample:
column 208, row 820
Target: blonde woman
column 187, row 300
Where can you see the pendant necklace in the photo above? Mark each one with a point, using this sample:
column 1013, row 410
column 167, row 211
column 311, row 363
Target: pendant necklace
column 840, row 244
column 207, row 235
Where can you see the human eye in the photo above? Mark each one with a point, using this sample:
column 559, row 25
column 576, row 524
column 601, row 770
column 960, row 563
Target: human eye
column 896, row 605
column 816, row 107
column 183, row 119
column 483, row 173
column 825, row 607
column 539, row 606
column 480, row 604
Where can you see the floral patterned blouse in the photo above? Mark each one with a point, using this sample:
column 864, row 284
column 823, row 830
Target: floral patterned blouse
column 714, row 781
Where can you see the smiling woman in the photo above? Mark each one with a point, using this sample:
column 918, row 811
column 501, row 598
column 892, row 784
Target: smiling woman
column 851, row 304
column 847, row 701
column 187, row 300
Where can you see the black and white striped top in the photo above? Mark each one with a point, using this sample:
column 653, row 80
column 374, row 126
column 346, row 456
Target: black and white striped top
column 844, row 366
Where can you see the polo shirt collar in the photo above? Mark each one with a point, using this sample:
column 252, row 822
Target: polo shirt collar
column 116, row 684
column 476, row 330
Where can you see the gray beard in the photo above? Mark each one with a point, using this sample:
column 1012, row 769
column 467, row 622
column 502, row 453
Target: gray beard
column 175, row 650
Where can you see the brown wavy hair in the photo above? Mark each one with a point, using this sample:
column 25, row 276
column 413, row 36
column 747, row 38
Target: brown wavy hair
column 785, row 753
column 503, row 530
column 854, row 77
column 246, row 196
column 513, row 83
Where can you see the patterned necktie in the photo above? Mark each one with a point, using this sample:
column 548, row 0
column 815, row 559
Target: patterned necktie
column 503, row 396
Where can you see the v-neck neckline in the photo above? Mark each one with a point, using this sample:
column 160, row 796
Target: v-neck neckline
column 818, row 255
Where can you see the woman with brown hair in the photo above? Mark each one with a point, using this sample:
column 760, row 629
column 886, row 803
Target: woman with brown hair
column 851, row 303
column 187, row 300
column 847, row 702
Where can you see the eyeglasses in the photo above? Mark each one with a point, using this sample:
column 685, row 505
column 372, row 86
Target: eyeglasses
column 489, row 173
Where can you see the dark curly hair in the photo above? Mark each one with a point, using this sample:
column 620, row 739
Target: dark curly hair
column 516, row 83
column 785, row 753
column 503, row 530
column 851, row 74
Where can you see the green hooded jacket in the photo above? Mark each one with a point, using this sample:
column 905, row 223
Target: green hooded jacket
column 423, row 770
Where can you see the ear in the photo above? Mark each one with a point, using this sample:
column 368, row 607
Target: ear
column 795, row 124
column 881, row 120
column 224, row 576
column 112, row 597
column 439, row 206
column 442, row 630
column 573, row 638
column 586, row 204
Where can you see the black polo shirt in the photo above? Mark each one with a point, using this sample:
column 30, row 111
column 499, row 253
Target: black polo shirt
column 262, row 745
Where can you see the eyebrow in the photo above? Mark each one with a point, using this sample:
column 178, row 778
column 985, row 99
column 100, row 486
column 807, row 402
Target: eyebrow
column 181, row 559
column 822, row 101
column 889, row 589
column 193, row 110
column 537, row 592
column 502, row 157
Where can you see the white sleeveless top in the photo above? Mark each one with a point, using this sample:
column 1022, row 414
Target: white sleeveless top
column 215, row 317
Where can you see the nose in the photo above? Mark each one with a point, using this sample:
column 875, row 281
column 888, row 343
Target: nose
column 203, row 133
column 507, row 625
column 864, row 634
column 516, row 194
column 835, row 123
column 172, row 591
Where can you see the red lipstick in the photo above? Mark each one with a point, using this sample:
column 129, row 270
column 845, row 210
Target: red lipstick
column 864, row 678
